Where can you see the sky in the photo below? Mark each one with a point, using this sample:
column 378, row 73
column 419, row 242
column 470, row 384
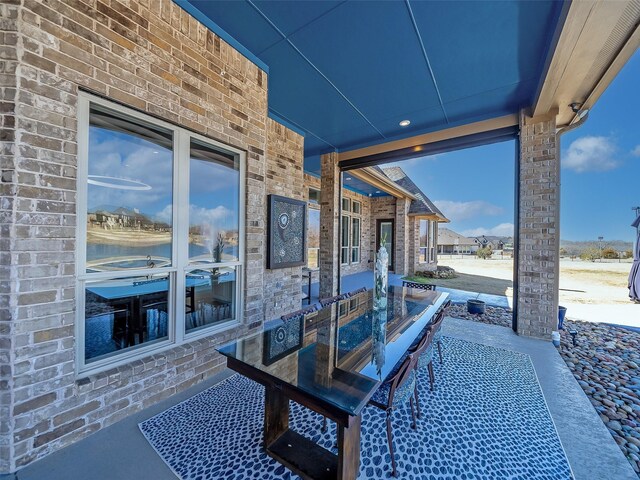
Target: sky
column 600, row 173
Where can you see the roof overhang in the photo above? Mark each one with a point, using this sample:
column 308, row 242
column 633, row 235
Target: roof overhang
column 383, row 183
column 594, row 42
column 432, row 216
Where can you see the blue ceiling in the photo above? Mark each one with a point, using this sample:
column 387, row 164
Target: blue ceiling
column 346, row 73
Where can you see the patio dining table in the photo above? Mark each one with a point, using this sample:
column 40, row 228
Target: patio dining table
column 331, row 361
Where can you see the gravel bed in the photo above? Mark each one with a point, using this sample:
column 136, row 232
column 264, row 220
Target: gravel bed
column 605, row 362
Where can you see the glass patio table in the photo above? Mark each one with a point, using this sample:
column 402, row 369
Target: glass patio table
column 331, row 361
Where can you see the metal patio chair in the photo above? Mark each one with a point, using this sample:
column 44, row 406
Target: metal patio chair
column 395, row 392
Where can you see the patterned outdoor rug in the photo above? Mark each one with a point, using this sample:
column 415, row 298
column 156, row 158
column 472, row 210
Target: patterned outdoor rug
column 486, row 419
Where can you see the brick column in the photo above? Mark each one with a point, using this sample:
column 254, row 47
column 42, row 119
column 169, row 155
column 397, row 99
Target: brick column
column 402, row 232
column 538, row 232
column 329, row 255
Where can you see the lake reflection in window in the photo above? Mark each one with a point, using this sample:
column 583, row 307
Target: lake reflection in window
column 129, row 194
column 214, row 196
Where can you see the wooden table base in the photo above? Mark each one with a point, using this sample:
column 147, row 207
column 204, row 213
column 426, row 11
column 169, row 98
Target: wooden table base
column 301, row 455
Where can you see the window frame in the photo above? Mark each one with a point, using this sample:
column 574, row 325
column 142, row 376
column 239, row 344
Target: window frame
column 345, row 248
column 423, row 250
column 349, row 214
column 180, row 265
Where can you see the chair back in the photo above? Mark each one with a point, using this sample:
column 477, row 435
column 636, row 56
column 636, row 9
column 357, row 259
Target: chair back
column 401, row 376
column 325, row 302
column 437, row 323
column 421, row 286
column 353, row 293
column 445, row 306
column 425, row 342
column 300, row 313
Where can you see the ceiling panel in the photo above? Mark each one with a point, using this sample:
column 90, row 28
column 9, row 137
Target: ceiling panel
column 301, row 94
column 372, row 55
column 476, row 47
column 290, row 15
column 358, row 67
column 235, row 15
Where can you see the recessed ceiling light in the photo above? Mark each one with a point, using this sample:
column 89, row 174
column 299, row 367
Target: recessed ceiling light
column 377, row 191
column 348, row 178
column 405, row 123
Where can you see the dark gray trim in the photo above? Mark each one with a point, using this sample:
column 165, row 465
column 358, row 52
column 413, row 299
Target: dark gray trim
column 458, row 143
column 516, row 235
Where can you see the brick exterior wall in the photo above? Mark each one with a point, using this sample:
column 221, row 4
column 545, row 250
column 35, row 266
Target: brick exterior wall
column 329, row 256
column 8, row 64
column 539, row 240
column 284, row 176
column 148, row 55
column 403, row 235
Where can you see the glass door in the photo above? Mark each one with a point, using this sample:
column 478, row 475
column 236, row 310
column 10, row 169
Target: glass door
column 384, row 235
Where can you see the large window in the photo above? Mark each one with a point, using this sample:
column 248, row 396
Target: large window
column 424, row 241
column 428, row 233
column 350, row 231
column 159, row 254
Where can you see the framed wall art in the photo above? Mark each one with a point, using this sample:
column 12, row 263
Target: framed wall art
column 286, row 232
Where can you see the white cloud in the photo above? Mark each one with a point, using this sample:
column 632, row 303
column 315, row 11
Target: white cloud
column 457, row 211
column 502, row 230
column 590, row 154
column 636, row 151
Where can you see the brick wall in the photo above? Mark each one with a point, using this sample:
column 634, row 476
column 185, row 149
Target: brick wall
column 403, row 235
column 284, row 176
column 329, row 255
column 539, row 239
column 8, row 65
column 152, row 56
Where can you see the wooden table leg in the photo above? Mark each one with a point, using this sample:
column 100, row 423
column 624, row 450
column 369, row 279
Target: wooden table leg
column 349, row 449
column 276, row 415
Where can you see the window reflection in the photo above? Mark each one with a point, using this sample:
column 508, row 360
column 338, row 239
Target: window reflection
column 129, row 194
column 124, row 313
column 210, row 296
column 214, row 194
column 313, row 237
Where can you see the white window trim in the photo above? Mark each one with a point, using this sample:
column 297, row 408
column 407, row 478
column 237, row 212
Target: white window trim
column 177, row 334
column 349, row 247
column 423, row 259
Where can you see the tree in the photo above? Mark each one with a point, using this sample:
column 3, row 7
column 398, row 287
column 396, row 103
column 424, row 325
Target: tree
column 590, row 253
column 609, row 253
column 563, row 252
column 484, row 252
column 627, row 254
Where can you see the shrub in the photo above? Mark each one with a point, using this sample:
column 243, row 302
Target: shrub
column 609, row 253
column 442, row 272
column 484, row 252
column 627, row 254
column 590, row 253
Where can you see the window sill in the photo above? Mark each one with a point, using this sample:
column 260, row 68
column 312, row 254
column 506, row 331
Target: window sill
column 130, row 357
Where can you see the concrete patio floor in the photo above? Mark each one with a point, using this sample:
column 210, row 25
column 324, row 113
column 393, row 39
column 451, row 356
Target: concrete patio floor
column 120, row 451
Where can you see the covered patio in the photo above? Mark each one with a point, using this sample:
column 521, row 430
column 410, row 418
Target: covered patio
column 122, row 451
column 160, row 159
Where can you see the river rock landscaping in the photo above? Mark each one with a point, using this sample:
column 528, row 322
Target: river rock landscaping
column 605, row 362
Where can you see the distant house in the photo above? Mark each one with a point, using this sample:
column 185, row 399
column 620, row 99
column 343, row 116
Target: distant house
column 495, row 242
column 452, row 243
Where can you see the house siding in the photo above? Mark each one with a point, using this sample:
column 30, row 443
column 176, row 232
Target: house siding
column 156, row 58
